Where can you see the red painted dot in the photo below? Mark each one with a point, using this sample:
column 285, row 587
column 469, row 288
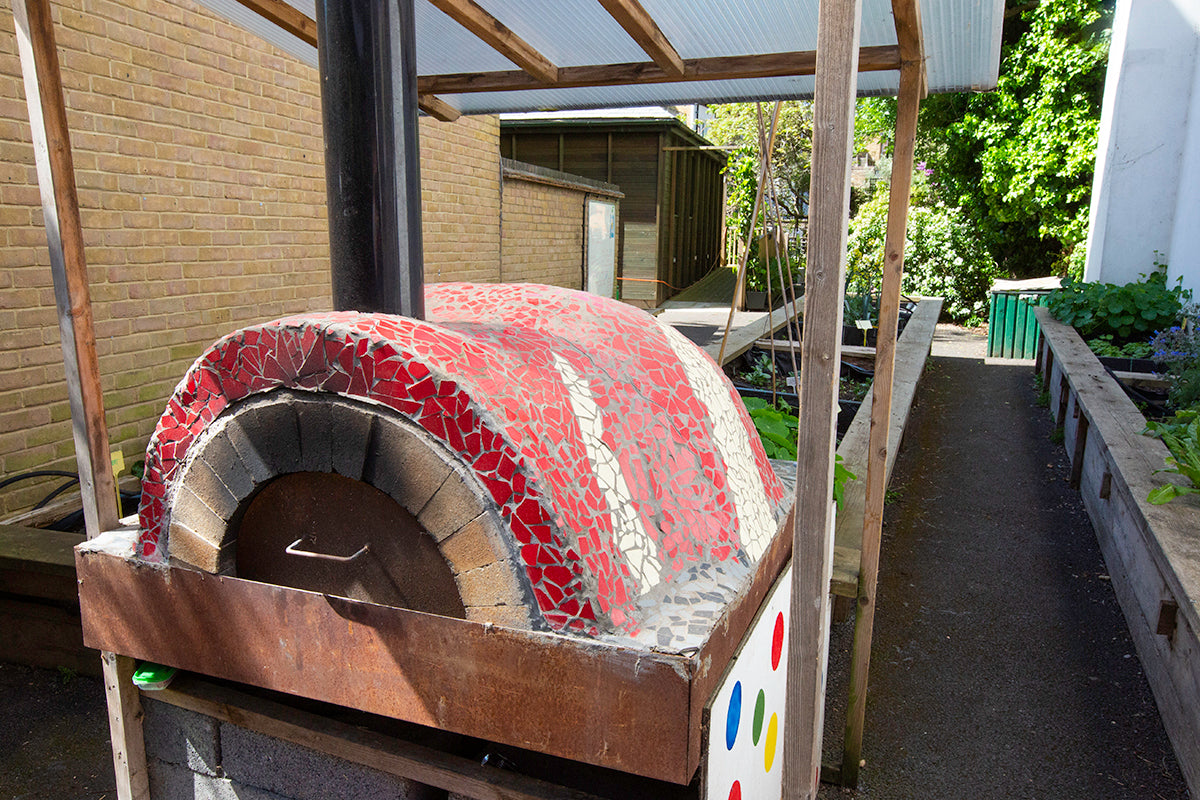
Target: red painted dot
column 735, row 791
column 777, row 641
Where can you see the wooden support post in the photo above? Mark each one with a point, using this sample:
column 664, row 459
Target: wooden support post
column 881, row 413
column 1064, row 397
column 60, row 208
column 60, row 211
column 808, row 642
column 1081, row 436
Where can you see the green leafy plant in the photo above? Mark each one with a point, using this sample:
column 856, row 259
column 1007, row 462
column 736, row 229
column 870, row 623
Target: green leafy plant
column 1124, row 312
column 841, row 477
column 860, row 303
column 852, row 388
column 778, row 430
column 760, row 372
column 1104, row 346
column 1177, row 352
column 1182, row 437
column 1019, row 160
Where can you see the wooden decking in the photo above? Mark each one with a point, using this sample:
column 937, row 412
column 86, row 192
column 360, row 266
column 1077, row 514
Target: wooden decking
column 702, row 310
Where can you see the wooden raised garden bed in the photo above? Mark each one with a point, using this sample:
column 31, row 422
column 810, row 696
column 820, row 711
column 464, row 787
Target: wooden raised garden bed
column 1152, row 552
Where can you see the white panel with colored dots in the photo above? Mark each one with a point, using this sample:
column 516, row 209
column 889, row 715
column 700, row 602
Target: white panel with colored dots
column 745, row 736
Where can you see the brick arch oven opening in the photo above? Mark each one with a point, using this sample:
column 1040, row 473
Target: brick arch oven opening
column 320, row 492
column 530, row 456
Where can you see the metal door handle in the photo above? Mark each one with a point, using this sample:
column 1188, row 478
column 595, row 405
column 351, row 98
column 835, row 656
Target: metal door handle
column 291, row 549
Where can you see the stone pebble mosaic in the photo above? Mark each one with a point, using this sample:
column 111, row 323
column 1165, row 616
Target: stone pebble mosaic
column 617, row 453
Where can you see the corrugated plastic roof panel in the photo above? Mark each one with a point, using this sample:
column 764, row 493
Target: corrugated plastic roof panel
column 962, row 43
column 962, row 46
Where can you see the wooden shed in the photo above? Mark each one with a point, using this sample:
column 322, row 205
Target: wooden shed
column 670, row 233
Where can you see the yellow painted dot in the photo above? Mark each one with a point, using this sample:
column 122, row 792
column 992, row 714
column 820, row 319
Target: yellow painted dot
column 769, row 746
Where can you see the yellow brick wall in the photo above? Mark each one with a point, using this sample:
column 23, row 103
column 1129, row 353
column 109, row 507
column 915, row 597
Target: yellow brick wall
column 199, row 162
column 460, row 199
column 542, row 235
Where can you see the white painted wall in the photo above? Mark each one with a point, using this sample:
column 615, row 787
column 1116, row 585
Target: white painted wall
column 1146, row 194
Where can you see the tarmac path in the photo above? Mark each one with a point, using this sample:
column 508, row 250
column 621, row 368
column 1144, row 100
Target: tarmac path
column 1001, row 666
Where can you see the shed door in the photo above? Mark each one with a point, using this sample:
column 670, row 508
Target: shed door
column 601, row 247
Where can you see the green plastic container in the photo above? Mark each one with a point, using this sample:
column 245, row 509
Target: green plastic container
column 1013, row 330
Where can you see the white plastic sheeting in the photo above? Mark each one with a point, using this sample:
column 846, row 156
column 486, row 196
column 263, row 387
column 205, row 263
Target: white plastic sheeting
column 962, row 46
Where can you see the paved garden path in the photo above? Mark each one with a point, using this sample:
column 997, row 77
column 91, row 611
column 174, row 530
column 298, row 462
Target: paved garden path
column 1001, row 667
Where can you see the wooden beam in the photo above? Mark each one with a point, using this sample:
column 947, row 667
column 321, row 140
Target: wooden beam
column 456, row 774
column 771, row 65
column 292, row 20
column 638, row 23
column 479, row 22
column 833, row 132
column 304, row 28
column 64, row 233
column 125, row 727
column 437, row 108
column 881, row 412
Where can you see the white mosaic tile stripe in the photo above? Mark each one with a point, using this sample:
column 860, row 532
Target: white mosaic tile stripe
column 631, row 536
column 756, row 520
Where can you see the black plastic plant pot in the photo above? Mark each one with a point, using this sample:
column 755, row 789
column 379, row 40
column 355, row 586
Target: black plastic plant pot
column 857, row 337
column 1123, row 364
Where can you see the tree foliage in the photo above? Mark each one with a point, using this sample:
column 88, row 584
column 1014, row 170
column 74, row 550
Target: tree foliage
column 943, row 256
column 737, row 124
column 1019, row 160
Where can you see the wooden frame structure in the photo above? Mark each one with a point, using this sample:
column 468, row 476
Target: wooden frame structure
column 835, row 64
column 1150, row 550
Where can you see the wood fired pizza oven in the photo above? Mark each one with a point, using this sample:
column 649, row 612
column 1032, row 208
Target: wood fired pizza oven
column 533, row 457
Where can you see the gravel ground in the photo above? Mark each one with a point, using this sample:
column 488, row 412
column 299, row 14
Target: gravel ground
column 1001, row 668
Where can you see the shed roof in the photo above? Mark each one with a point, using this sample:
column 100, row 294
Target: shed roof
column 762, row 48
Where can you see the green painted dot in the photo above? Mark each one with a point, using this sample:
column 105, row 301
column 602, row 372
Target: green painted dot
column 760, row 707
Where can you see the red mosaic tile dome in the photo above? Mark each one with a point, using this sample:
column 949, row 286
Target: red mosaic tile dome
column 615, row 451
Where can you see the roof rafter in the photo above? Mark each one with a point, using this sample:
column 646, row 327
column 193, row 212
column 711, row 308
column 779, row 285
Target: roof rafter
column 772, row 65
column 292, row 20
column 304, row 28
column 437, row 108
column 492, row 31
column 638, row 23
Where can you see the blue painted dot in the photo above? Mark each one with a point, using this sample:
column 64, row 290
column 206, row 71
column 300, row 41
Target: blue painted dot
column 734, row 717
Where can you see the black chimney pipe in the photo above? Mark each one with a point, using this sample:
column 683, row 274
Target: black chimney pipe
column 367, row 60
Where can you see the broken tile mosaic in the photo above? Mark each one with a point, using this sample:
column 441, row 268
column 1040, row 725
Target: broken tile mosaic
column 616, row 452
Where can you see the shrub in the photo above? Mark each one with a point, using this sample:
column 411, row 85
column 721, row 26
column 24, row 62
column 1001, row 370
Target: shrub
column 1134, row 310
column 1105, row 346
column 942, row 255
